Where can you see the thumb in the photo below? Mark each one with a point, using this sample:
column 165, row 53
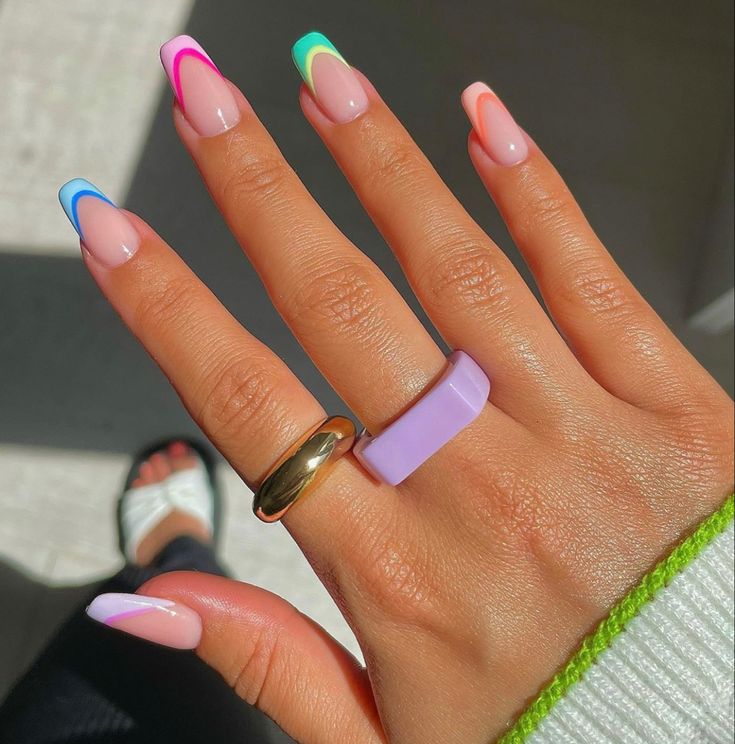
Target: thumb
column 273, row 657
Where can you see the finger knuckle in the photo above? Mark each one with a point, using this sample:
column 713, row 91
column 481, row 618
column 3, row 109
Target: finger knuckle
column 341, row 294
column 506, row 499
column 599, row 289
column 260, row 179
column 511, row 502
column 241, row 395
column 469, row 274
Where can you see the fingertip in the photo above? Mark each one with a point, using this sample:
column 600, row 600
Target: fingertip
column 156, row 619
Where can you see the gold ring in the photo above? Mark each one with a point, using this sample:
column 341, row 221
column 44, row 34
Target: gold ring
column 302, row 467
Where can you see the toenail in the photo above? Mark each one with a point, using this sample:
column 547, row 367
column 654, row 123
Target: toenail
column 178, row 449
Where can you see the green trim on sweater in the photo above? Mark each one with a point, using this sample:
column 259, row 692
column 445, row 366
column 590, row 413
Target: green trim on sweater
column 619, row 617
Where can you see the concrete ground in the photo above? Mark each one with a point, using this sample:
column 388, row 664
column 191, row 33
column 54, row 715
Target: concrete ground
column 631, row 101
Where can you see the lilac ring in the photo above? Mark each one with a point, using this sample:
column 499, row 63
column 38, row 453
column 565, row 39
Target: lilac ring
column 451, row 404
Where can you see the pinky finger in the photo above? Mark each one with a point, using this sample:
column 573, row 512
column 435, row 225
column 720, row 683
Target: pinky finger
column 615, row 333
column 272, row 656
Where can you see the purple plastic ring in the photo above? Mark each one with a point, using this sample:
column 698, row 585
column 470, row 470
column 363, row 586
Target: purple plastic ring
column 438, row 416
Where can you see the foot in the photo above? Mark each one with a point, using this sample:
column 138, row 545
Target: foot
column 178, row 456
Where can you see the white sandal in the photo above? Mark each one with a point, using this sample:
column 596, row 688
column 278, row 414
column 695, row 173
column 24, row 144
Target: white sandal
column 192, row 491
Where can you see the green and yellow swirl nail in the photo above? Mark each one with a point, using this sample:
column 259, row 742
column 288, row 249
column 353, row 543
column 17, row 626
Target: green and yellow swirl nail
column 330, row 79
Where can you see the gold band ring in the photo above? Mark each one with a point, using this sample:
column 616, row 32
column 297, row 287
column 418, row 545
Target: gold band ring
column 302, row 467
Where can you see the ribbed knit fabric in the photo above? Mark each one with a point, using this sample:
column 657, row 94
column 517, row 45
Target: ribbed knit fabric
column 667, row 678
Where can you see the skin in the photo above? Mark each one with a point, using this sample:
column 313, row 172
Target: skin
column 602, row 445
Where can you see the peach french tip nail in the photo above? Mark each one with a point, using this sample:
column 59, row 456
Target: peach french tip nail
column 158, row 620
column 203, row 94
column 331, row 80
column 499, row 134
column 106, row 233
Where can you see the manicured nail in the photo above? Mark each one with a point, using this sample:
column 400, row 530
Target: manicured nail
column 202, row 92
column 499, row 134
column 159, row 620
column 105, row 231
column 330, row 79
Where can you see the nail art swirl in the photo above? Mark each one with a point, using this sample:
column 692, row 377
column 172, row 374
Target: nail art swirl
column 152, row 618
column 173, row 54
column 70, row 194
column 306, row 48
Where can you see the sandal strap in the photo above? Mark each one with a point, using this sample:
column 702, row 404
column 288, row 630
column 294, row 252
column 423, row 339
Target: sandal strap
column 190, row 491
column 143, row 507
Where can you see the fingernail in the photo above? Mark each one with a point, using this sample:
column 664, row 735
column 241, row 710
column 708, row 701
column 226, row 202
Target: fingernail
column 331, row 80
column 105, row 231
column 203, row 94
column 499, row 134
column 158, row 620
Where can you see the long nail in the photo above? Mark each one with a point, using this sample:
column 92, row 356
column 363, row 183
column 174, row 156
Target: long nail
column 499, row 134
column 203, row 94
column 331, row 80
column 159, row 620
column 105, row 231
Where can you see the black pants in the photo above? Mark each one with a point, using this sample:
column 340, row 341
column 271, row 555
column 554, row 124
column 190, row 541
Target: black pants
column 95, row 685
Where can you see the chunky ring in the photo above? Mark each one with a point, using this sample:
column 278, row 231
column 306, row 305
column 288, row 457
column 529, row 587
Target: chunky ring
column 451, row 404
column 302, row 467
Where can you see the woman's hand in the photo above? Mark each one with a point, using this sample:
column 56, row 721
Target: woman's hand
column 469, row 584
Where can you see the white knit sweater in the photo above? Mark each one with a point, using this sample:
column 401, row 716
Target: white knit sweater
column 668, row 677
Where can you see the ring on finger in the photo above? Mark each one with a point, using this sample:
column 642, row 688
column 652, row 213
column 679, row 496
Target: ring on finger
column 302, row 467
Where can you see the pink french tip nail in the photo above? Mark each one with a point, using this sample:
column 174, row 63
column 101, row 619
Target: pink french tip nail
column 499, row 134
column 203, row 94
column 106, row 232
column 158, row 620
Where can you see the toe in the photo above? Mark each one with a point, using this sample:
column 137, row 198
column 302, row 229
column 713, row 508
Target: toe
column 147, row 474
column 161, row 466
column 178, row 449
column 181, row 456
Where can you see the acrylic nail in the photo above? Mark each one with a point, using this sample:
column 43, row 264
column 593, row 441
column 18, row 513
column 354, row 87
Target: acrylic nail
column 331, row 80
column 203, row 94
column 158, row 620
column 106, row 233
column 499, row 134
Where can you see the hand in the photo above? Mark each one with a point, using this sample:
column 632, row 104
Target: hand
column 472, row 582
